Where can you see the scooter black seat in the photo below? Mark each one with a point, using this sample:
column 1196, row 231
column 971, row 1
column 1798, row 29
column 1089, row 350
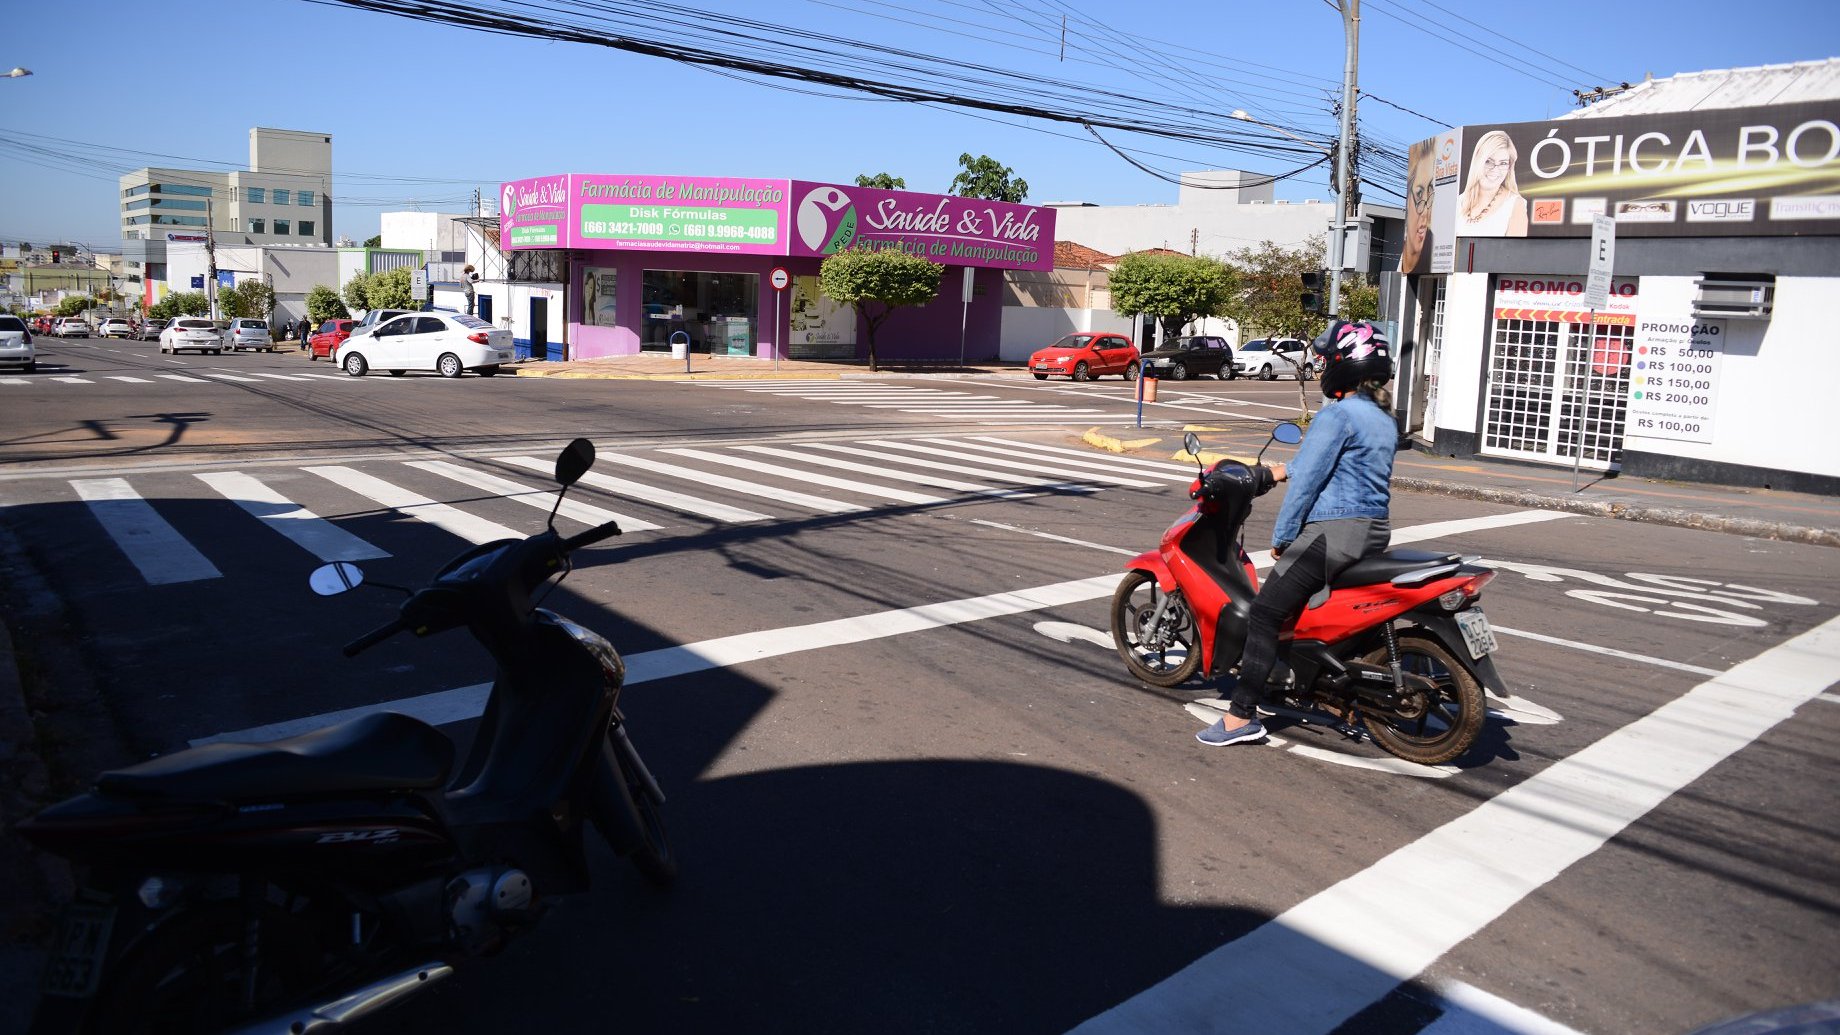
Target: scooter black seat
column 1385, row 567
column 381, row 751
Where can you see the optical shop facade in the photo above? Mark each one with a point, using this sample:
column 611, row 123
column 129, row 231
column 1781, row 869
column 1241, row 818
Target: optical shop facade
column 646, row 263
column 1712, row 357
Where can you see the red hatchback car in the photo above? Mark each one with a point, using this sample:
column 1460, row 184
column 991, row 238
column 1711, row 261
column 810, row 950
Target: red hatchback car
column 1086, row 355
column 328, row 338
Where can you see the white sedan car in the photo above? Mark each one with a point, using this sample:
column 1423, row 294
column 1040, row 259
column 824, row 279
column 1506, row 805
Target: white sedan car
column 191, row 332
column 114, row 328
column 16, row 343
column 446, row 343
column 1268, row 358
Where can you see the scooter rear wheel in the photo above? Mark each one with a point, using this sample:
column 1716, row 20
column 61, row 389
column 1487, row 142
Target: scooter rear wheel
column 1438, row 724
column 1168, row 654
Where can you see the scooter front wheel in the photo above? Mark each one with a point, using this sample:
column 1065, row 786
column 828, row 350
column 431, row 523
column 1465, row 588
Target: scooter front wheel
column 1443, row 709
column 1155, row 632
column 628, row 814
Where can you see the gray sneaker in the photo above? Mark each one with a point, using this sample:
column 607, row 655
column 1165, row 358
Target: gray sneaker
column 1218, row 735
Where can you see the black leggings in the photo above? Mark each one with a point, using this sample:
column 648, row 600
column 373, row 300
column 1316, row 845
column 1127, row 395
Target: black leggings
column 1280, row 599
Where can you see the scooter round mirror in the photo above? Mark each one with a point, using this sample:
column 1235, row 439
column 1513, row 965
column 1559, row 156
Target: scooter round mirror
column 1191, row 445
column 574, row 462
column 330, row 580
column 1288, row 433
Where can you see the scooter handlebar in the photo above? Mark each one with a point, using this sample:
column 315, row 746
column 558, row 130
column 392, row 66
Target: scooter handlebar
column 591, row 536
column 374, row 637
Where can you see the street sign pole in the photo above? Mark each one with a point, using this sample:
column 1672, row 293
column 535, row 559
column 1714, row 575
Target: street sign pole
column 1596, row 296
column 778, row 279
column 964, row 313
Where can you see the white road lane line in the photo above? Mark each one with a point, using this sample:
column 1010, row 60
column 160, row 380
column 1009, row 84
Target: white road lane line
column 230, row 377
column 1606, row 651
column 640, row 491
column 1361, row 938
column 811, row 477
column 73, row 380
column 799, row 499
column 15, row 380
column 505, row 488
column 1469, row 1010
column 309, row 531
column 1014, row 465
column 130, row 380
column 450, row 519
column 1835, row 698
column 182, row 377
column 156, row 548
column 283, row 377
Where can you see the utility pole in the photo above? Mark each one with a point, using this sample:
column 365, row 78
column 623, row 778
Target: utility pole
column 210, row 252
column 1344, row 159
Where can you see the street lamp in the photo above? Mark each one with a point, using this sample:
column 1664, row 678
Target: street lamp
column 18, row 73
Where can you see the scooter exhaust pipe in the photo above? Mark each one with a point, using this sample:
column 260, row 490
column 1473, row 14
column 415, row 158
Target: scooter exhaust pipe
column 351, row 1007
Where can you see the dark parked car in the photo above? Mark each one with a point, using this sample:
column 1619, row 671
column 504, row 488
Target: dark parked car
column 1191, row 357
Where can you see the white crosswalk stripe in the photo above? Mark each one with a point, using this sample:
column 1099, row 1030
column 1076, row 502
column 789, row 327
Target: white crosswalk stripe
column 130, row 380
column 229, row 377
column 639, row 491
column 152, row 545
column 309, row 531
column 456, row 495
column 451, row 519
column 574, row 510
column 182, row 377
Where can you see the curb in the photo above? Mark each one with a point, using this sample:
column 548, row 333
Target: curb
column 1629, row 512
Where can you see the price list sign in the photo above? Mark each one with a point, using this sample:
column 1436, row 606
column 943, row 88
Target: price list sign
column 1674, row 381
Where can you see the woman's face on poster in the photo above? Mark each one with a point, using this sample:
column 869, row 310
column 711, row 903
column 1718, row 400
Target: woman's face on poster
column 1497, row 163
column 1418, row 204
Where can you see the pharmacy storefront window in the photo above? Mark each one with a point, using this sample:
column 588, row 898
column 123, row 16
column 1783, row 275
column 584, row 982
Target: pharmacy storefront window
column 716, row 311
column 598, row 298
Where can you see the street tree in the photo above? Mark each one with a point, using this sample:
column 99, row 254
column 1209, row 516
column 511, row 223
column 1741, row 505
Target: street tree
column 877, row 283
column 1360, row 300
column 881, row 181
column 391, row 289
column 323, row 303
column 1176, row 289
column 985, row 177
column 74, row 305
column 180, row 303
column 375, row 241
column 1271, row 300
column 250, row 299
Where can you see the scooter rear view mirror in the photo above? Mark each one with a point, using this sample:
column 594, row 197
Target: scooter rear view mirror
column 329, row 580
column 1286, row 432
column 1192, row 445
column 574, row 461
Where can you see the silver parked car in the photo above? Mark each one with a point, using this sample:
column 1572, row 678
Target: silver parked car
column 245, row 333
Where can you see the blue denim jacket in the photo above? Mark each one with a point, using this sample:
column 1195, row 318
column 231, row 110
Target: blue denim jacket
column 1342, row 470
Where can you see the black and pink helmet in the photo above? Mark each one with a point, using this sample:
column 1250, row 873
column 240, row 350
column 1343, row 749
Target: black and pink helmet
column 1352, row 353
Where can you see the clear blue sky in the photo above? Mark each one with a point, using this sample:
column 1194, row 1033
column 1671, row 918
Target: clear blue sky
column 420, row 114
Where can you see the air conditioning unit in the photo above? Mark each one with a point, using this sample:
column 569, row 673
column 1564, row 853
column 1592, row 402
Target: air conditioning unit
column 1734, row 297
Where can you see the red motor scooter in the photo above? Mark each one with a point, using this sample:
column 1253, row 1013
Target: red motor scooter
column 1401, row 645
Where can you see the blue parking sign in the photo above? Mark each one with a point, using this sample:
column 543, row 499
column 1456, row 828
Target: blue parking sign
column 198, row 282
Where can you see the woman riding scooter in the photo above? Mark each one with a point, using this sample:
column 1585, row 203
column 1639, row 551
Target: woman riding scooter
column 1334, row 513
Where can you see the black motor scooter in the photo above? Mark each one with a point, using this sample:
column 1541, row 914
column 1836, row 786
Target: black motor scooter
column 300, row 885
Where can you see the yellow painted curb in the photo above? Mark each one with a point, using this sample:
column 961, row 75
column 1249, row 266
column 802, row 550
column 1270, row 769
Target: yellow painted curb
column 1099, row 440
column 1209, row 458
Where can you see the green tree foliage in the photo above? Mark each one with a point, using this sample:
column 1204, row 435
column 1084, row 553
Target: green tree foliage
column 1360, row 300
column 323, row 303
column 374, row 242
column 74, row 305
column 1271, row 286
column 985, row 177
column 882, row 181
column 390, row 289
column 877, row 283
column 1176, row 289
column 250, row 299
column 180, row 303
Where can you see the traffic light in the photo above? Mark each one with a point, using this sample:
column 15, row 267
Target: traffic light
column 54, row 255
column 1311, row 301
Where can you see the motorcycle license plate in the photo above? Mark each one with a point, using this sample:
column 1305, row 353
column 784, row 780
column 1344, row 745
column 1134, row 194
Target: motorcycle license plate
column 1477, row 636
column 74, row 965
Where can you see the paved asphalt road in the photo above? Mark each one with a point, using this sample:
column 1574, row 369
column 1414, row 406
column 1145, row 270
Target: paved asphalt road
column 913, row 787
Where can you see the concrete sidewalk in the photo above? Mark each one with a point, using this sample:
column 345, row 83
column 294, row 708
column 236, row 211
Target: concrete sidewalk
column 658, row 366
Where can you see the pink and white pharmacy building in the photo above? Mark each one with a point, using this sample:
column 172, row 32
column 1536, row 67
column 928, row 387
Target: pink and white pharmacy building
column 597, row 265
